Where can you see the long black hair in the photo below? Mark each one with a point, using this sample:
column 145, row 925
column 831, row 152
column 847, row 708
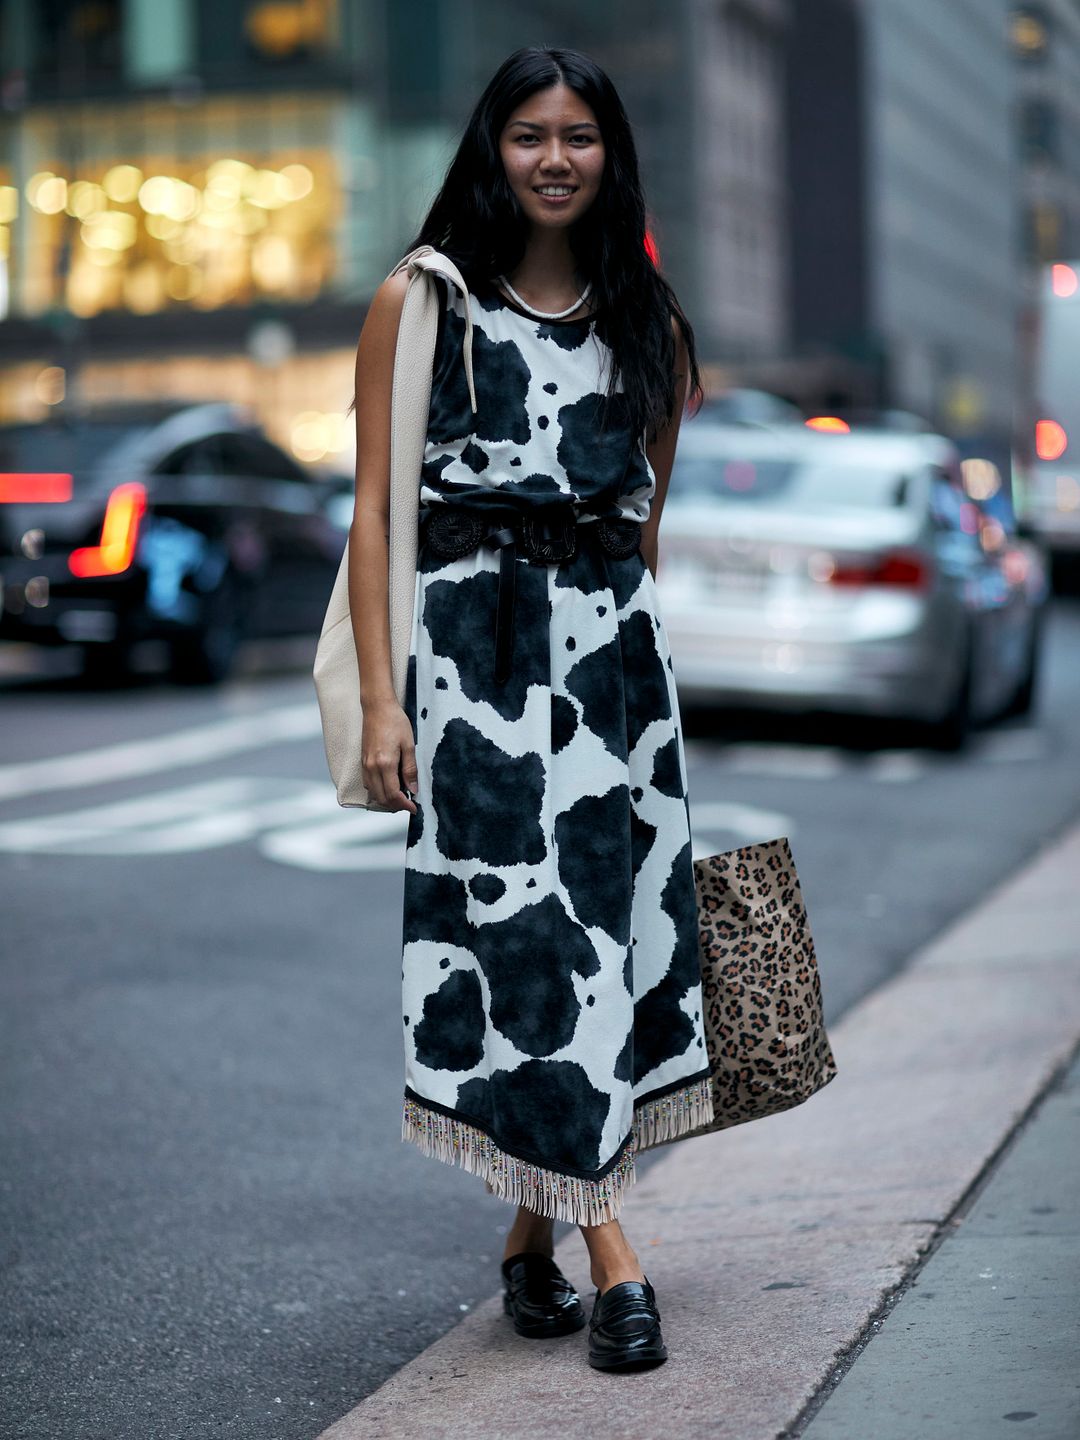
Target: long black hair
column 477, row 221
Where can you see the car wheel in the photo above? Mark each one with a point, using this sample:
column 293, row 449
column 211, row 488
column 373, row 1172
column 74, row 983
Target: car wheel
column 1023, row 700
column 951, row 731
column 205, row 655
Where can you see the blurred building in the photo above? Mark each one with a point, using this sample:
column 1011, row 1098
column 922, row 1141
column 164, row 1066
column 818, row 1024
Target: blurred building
column 1046, row 49
column 904, row 221
column 197, row 197
column 1046, row 52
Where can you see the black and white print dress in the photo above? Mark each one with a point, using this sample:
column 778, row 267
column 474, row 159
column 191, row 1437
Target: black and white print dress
column 551, row 977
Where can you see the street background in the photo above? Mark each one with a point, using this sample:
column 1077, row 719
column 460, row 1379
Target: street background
column 209, row 1224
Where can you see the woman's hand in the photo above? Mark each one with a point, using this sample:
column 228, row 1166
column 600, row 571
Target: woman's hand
column 388, row 755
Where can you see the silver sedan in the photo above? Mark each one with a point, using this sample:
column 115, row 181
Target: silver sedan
column 842, row 572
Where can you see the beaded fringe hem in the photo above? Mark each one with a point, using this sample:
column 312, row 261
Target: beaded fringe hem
column 671, row 1116
column 548, row 1192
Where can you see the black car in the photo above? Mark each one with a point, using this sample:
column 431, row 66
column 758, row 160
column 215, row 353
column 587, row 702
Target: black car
column 174, row 522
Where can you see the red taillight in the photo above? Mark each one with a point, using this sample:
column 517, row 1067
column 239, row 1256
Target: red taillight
column 828, row 424
column 35, row 489
column 896, row 567
column 119, row 532
column 1051, row 442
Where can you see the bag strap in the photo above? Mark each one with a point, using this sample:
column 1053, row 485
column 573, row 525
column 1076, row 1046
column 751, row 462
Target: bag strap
column 414, row 357
column 427, row 258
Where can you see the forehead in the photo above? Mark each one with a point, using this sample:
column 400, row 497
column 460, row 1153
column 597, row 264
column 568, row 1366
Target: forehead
column 558, row 105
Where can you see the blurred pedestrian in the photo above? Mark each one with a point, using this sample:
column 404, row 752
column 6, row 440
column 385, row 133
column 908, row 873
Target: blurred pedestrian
column 551, row 980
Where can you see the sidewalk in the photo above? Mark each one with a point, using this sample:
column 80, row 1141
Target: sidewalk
column 987, row 1334
column 775, row 1246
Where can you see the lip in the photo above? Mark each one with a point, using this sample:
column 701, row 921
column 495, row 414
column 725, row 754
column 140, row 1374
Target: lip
column 555, row 199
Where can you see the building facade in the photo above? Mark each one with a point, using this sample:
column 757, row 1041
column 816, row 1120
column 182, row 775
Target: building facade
column 904, row 171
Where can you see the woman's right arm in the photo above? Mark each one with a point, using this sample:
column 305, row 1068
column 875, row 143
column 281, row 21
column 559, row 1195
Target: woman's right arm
column 388, row 756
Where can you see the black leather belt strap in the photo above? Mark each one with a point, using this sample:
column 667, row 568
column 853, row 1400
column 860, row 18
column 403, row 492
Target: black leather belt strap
column 504, row 540
column 541, row 537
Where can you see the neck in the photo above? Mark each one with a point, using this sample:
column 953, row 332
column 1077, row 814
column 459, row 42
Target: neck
column 547, row 267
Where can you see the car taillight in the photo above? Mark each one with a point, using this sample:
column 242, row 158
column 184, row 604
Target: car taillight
column 40, row 488
column 119, row 532
column 894, row 567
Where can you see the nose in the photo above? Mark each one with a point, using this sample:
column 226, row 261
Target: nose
column 556, row 156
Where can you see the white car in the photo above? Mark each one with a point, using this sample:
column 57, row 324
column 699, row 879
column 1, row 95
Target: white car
column 841, row 572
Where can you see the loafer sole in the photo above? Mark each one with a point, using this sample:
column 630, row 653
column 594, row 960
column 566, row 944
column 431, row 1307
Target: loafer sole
column 644, row 1359
column 545, row 1329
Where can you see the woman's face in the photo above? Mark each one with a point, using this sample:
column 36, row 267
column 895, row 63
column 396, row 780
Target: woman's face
column 553, row 153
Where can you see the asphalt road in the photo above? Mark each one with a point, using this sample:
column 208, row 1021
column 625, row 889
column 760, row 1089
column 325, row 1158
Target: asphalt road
column 209, row 1224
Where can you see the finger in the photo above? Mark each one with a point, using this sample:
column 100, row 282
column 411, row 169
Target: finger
column 392, row 785
column 409, row 772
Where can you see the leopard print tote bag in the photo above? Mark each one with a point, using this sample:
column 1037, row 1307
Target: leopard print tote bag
column 764, row 1026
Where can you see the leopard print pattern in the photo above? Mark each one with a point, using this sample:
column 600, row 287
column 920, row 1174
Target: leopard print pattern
column 764, row 1025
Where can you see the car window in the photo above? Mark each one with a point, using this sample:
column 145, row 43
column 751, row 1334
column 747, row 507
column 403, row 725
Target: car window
column 79, row 448
column 198, row 457
column 810, row 482
column 253, row 456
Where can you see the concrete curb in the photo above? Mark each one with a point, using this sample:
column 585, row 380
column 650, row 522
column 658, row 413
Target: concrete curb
column 773, row 1244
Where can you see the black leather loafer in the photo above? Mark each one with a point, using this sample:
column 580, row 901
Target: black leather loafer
column 539, row 1298
column 624, row 1328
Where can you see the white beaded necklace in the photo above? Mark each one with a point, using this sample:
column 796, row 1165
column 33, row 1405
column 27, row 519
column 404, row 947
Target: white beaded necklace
column 545, row 314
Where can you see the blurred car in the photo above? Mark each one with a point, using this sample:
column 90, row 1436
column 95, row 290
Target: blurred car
column 758, row 408
column 840, row 572
column 1025, row 568
column 1049, row 488
column 161, row 521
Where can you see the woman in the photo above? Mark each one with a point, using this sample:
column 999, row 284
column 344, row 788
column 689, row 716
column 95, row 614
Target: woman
column 552, row 998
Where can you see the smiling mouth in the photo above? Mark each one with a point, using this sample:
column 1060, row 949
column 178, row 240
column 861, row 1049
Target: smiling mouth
column 555, row 192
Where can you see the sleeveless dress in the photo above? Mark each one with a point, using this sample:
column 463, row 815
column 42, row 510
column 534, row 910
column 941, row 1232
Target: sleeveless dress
column 551, row 977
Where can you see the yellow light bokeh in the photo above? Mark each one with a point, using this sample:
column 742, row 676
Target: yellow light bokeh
column 299, row 181
column 85, row 199
column 47, row 192
column 50, row 385
column 111, row 230
column 272, row 262
column 122, row 182
column 9, row 204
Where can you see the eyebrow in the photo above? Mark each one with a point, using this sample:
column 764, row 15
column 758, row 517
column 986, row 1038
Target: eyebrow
column 577, row 125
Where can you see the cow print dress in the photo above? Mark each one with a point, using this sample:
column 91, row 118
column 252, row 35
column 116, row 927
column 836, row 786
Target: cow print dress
column 551, row 976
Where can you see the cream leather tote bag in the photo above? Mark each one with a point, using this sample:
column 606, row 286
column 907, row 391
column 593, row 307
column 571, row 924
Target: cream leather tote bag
column 336, row 672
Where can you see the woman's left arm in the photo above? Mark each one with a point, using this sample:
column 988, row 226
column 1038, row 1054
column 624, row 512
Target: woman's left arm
column 661, row 453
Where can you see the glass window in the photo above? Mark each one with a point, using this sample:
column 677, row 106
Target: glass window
column 760, row 478
column 252, row 456
column 200, row 457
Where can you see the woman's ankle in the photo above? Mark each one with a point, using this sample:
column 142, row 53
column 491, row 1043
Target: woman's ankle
column 530, row 1233
column 611, row 1256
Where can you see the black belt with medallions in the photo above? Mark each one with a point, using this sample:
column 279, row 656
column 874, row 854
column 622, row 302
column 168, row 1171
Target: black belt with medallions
column 545, row 535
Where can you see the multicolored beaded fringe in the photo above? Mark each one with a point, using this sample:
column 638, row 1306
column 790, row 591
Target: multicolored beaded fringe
column 672, row 1115
column 562, row 1197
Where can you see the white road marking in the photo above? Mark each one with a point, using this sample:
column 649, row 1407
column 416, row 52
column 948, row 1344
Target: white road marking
column 896, row 767
column 348, row 841
column 130, row 758
column 745, row 824
column 793, row 761
column 170, row 822
column 292, row 822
